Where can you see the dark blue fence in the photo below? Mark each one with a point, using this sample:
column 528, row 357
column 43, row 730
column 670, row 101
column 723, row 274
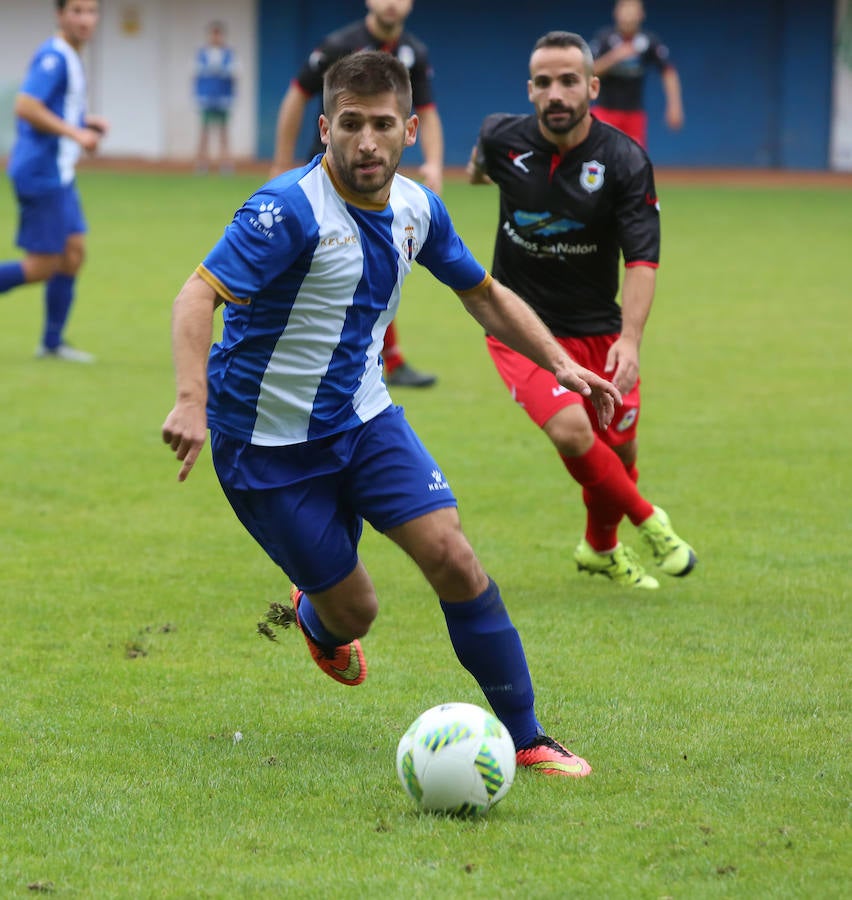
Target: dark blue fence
column 756, row 76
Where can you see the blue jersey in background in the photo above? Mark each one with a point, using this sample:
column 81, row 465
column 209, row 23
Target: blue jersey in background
column 42, row 162
column 215, row 77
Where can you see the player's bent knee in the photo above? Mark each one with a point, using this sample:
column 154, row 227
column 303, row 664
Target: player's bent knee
column 452, row 568
column 570, row 431
column 72, row 261
column 40, row 267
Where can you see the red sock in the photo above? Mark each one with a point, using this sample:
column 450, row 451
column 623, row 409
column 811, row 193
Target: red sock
column 608, row 492
column 390, row 351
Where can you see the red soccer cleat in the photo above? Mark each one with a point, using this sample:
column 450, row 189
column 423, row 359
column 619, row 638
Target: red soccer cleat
column 345, row 663
column 548, row 757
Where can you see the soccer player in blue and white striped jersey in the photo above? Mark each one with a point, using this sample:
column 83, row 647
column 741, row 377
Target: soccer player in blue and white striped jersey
column 53, row 129
column 306, row 441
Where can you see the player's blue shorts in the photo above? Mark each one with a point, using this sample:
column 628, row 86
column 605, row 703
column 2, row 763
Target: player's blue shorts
column 47, row 220
column 305, row 503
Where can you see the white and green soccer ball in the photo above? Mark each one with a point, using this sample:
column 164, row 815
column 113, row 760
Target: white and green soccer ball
column 456, row 758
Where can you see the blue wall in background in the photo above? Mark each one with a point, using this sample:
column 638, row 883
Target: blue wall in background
column 756, row 76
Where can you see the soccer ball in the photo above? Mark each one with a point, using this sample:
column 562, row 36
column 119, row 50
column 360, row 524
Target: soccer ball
column 456, row 758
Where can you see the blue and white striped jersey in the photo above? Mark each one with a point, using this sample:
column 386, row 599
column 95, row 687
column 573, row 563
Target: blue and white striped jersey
column 41, row 162
column 312, row 279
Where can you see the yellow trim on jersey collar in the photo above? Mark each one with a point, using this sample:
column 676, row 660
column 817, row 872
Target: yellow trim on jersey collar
column 220, row 288
column 351, row 198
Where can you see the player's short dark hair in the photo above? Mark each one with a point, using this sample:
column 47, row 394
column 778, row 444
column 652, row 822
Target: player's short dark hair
column 367, row 73
column 567, row 39
column 61, row 4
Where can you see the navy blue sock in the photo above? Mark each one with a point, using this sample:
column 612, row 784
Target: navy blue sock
column 313, row 626
column 58, row 297
column 489, row 647
column 11, row 275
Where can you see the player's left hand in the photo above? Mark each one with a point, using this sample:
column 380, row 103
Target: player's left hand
column 97, row 123
column 623, row 361
column 626, row 49
column 433, row 177
column 603, row 395
column 674, row 117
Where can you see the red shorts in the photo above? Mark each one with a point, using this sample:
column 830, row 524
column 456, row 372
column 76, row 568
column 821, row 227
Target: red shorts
column 633, row 122
column 541, row 396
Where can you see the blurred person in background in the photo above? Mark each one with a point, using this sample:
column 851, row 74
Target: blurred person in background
column 383, row 28
column 53, row 128
column 623, row 54
column 574, row 195
column 215, row 86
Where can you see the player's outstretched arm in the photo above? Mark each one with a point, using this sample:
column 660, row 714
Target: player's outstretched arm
column 623, row 50
column 185, row 427
column 432, row 143
column 97, row 123
column 475, row 174
column 674, row 101
column 32, row 110
column 503, row 314
column 291, row 113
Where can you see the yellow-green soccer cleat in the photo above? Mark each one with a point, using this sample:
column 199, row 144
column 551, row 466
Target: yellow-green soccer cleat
column 672, row 554
column 620, row 565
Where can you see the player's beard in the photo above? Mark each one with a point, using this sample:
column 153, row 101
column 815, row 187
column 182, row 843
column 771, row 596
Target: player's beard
column 388, row 26
column 360, row 182
column 572, row 117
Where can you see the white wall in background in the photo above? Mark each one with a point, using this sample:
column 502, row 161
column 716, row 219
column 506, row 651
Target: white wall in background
column 140, row 70
column 841, row 120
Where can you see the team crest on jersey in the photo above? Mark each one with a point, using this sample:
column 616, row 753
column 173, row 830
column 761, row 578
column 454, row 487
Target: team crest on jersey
column 592, row 176
column 405, row 54
column 410, row 247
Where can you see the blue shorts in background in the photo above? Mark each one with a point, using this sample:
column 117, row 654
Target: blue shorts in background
column 305, row 503
column 46, row 221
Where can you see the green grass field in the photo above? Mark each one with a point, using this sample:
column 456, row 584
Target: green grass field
column 715, row 712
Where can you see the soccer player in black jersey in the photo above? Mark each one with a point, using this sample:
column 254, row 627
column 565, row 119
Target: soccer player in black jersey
column 383, row 28
column 623, row 54
column 574, row 194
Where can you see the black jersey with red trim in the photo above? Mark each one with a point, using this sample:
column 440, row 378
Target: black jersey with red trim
column 409, row 50
column 622, row 85
column 564, row 220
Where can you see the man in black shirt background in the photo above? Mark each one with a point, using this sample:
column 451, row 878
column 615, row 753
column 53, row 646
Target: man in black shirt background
column 575, row 194
column 383, row 28
column 623, row 54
